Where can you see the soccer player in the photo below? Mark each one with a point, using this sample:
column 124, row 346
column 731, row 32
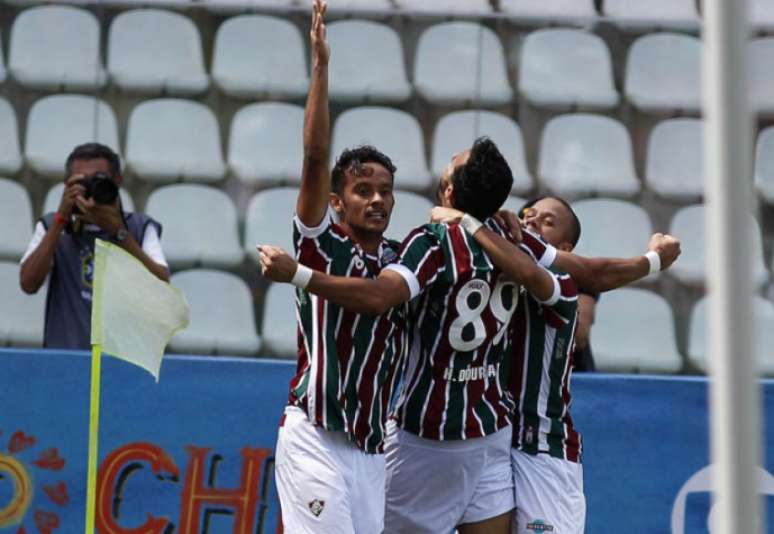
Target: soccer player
column 329, row 470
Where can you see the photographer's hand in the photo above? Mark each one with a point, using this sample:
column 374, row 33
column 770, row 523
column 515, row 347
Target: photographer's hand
column 73, row 189
column 107, row 216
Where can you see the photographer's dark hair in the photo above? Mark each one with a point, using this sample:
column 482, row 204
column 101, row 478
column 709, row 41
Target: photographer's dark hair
column 484, row 182
column 575, row 230
column 89, row 151
column 352, row 159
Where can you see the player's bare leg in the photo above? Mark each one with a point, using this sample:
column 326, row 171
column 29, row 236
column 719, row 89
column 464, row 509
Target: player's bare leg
column 494, row 525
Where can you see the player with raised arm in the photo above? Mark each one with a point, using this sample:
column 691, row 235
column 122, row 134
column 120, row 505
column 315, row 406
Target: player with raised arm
column 329, row 470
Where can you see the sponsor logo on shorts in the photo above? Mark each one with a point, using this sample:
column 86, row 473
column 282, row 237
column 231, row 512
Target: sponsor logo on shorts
column 538, row 525
column 316, row 507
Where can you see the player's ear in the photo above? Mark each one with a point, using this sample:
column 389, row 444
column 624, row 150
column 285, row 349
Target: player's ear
column 336, row 203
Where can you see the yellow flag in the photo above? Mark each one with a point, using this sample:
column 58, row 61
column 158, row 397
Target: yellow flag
column 133, row 313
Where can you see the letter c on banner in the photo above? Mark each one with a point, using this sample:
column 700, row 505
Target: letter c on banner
column 21, row 497
column 111, row 470
column 701, row 481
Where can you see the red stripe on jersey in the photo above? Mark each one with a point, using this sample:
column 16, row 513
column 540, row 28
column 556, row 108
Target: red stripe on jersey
column 567, row 287
column 572, row 439
column 322, row 315
column 519, row 332
column 534, row 243
column 461, row 252
column 365, row 390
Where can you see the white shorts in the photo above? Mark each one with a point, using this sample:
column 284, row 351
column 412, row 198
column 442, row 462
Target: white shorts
column 433, row 486
column 549, row 494
column 326, row 484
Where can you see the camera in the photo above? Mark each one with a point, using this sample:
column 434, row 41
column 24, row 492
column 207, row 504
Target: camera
column 101, row 187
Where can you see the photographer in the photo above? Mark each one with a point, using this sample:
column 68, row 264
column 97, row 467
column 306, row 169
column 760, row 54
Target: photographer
column 62, row 247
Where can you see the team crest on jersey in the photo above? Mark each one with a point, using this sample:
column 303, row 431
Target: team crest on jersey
column 317, row 506
column 538, row 525
column 388, row 256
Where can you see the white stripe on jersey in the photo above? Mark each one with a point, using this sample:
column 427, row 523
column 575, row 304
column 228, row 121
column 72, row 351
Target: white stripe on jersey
column 311, row 387
column 545, row 389
column 524, row 368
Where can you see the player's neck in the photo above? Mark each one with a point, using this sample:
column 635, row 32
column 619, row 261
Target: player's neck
column 368, row 241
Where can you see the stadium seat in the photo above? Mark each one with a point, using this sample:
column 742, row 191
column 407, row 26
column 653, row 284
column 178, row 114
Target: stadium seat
column 634, row 331
column 584, row 154
column 266, row 144
column 54, row 196
column 663, row 73
column 257, row 56
column 445, row 8
column 762, row 14
column 457, row 131
column 280, row 330
column 57, row 124
column 761, row 76
column 544, row 11
column 764, row 164
column 394, row 132
column 269, row 220
column 155, row 51
column 688, row 224
column 654, row 14
column 23, row 315
column 10, row 152
column 612, row 228
column 411, row 211
column 460, row 63
column 222, row 316
column 381, row 78
column 675, row 163
column 53, row 47
column 210, row 238
column 564, row 68
column 763, row 311
column 173, row 139
column 15, row 220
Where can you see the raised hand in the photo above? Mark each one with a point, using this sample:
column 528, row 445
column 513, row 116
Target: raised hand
column 667, row 247
column 321, row 52
column 276, row 264
column 445, row 215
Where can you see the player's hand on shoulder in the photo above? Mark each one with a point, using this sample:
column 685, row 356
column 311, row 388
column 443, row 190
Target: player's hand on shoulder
column 667, row 247
column 445, row 215
column 276, row 264
column 509, row 220
column 321, row 52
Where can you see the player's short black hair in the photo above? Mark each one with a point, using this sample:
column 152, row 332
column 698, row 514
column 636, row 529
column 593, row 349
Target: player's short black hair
column 352, row 159
column 89, row 151
column 484, row 182
column 575, row 230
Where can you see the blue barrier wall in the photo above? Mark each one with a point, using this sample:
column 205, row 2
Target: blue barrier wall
column 208, row 427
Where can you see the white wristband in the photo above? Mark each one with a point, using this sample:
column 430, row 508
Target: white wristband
column 302, row 277
column 654, row 260
column 470, row 224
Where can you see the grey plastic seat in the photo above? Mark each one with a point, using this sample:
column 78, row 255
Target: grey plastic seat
column 155, row 51
column 380, row 79
column 57, row 124
column 209, row 239
column 761, row 77
column 762, row 14
column 688, row 224
column 398, row 135
column 280, row 328
column 585, row 154
column 15, row 219
column 445, row 8
column 54, row 196
column 174, row 139
column 764, row 164
column 269, row 220
column 10, row 151
column 562, row 68
column 550, row 10
column 461, row 62
column 663, row 73
column 763, row 311
column 675, row 163
column 671, row 14
column 622, row 342
column 257, row 56
column 612, row 228
column 410, row 211
column 266, row 144
column 23, row 315
column 53, row 47
column 222, row 317
column 456, row 131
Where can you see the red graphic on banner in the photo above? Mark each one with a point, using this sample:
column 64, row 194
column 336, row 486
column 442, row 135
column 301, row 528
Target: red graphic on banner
column 50, row 459
column 46, row 521
column 57, row 493
column 20, row 441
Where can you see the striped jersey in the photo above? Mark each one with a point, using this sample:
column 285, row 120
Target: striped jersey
column 455, row 386
column 543, row 341
column 348, row 363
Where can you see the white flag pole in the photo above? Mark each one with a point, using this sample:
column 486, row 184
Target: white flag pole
column 735, row 395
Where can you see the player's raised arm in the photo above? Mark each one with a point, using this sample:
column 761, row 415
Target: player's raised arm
column 312, row 204
column 369, row 296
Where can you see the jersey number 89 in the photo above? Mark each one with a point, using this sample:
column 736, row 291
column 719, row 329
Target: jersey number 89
column 467, row 315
